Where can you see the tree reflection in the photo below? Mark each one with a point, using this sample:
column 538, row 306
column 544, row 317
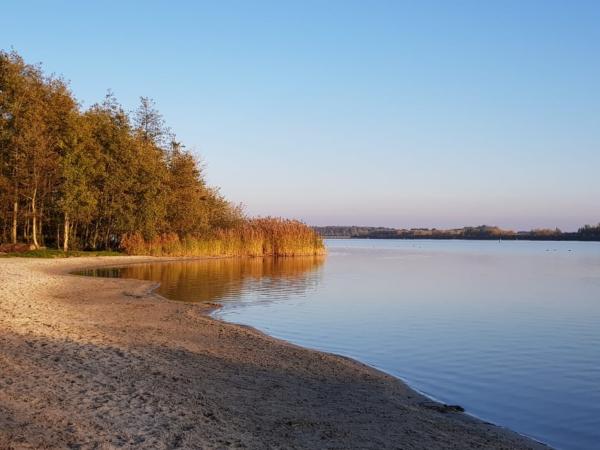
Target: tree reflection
column 213, row 280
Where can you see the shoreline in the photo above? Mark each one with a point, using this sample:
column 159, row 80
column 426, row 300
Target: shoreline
column 210, row 311
column 158, row 373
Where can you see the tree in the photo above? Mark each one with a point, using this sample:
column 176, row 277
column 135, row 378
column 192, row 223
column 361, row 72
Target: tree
column 78, row 199
column 26, row 103
column 150, row 125
column 186, row 210
column 12, row 103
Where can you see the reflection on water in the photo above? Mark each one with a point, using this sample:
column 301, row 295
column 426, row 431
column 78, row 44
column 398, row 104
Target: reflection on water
column 217, row 280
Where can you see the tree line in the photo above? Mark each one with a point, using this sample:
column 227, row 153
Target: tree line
column 483, row 232
column 85, row 178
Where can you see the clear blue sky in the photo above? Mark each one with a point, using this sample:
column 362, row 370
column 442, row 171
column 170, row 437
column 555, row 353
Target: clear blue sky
column 368, row 112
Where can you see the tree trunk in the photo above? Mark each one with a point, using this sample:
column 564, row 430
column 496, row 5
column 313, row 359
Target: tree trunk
column 66, row 234
column 41, row 227
column 27, row 226
column 34, row 220
column 14, row 221
column 86, row 236
column 95, row 238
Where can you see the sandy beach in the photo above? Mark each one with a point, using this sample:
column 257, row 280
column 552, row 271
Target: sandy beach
column 107, row 363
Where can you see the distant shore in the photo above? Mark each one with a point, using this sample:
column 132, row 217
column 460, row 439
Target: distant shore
column 479, row 233
column 448, row 238
column 92, row 362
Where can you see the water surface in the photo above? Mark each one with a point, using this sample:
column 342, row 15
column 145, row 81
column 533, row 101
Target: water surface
column 508, row 330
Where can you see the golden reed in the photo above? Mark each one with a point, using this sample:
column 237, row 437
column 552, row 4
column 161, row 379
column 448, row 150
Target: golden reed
column 254, row 237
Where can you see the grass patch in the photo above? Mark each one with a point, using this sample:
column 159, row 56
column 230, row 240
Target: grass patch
column 52, row 253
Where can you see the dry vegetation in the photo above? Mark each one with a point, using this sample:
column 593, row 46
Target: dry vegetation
column 253, row 237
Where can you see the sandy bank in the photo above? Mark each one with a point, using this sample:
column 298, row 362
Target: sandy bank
column 103, row 363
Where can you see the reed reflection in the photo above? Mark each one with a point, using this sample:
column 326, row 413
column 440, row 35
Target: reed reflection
column 216, row 280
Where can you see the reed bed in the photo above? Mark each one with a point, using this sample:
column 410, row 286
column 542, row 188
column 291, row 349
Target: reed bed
column 254, row 237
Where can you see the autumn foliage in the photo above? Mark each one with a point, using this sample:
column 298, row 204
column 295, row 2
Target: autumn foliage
column 106, row 179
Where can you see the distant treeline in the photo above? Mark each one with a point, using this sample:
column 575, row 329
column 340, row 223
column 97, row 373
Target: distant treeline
column 103, row 178
column 586, row 233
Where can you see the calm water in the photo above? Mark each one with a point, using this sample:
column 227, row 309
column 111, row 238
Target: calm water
column 509, row 330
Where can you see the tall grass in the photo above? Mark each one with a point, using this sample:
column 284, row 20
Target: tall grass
column 254, row 237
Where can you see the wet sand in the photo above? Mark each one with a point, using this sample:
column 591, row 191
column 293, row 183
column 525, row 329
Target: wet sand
column 105, row 363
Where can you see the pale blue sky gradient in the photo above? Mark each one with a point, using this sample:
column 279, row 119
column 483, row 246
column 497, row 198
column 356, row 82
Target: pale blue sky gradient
column 372, row 113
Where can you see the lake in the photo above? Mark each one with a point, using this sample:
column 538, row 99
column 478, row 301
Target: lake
column 508, row 330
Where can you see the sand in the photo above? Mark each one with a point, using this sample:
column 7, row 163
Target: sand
column 107, row 363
